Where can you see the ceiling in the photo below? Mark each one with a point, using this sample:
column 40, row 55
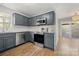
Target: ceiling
column 33, row 9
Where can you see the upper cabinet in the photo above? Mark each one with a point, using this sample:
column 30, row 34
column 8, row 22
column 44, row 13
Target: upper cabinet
column 20, row 20
column 26, row 21
column 32, row 21
column 43, row 19
column 50, row 16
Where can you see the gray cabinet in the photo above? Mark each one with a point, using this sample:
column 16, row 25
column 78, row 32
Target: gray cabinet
column 26, row 21
column 29, row 36
column 10, row 40
column 1, row 44
column 49, row 40
column 50, row 17
column 7, row 40
column 32, row 21
column 20, row 20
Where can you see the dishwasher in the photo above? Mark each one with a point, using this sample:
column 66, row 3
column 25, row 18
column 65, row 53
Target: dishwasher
column 19, row 38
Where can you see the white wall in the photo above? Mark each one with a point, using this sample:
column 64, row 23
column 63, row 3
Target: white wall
column 63, row 12
column 34, row 28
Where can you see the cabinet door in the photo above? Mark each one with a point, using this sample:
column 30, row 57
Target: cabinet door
column 26, row 21
column 49, row 40
column 19, row 19
column 33, row 21
column 9, row 42
column 30, row 22
column 31, row 36
column 28, row 36
column 1, row 44
column 51, row 20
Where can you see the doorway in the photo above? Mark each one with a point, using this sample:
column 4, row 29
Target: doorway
column 68, row 43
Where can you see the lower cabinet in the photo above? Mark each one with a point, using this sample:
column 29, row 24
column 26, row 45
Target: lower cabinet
column 49, row 40
column 7, row 41
column 1, row 44
column 29, row 36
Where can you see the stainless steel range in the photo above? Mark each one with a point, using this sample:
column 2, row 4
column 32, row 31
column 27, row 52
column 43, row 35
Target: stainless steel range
column 39, row 39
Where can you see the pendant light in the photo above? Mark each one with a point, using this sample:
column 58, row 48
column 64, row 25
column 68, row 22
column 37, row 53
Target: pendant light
column 75, row 17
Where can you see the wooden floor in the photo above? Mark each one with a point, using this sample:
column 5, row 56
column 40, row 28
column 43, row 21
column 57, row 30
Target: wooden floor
column 28, row 49
column 68, row 47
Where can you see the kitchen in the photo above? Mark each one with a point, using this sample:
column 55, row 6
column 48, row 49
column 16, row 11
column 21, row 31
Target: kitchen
column 19, row 30
column 39, row 29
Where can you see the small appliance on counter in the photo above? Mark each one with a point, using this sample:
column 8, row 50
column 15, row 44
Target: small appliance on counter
column 43, row 30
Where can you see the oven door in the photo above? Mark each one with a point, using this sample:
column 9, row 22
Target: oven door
column 39, row 38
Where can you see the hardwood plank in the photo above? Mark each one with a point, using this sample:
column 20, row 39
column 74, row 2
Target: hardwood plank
column 28, row 49
column 67, row 46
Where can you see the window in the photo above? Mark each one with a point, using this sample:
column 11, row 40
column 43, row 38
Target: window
column 4, row 23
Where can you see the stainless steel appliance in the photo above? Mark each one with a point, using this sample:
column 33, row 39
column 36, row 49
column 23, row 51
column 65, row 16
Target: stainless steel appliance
column 19, row 38
column 39, row 40
column 41, row 21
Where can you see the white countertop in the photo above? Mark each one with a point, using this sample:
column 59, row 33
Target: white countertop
column 26, row 31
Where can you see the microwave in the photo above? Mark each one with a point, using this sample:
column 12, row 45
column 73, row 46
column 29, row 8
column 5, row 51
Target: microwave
column 41, row 21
